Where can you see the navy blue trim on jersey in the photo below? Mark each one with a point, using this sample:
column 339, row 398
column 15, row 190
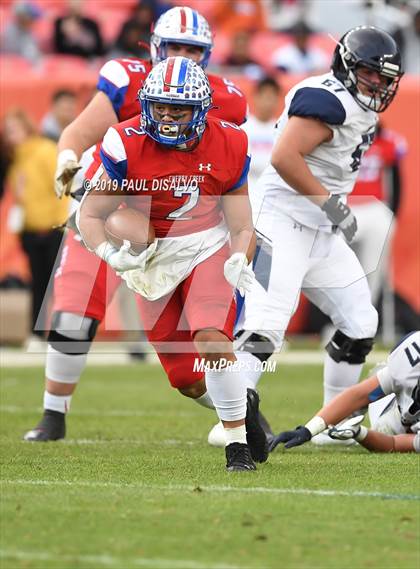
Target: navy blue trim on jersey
column 318, row 104
column 115, row 94
column 262, row 262
column 403, row 339
column 243, row 177
column 115, row 170
column 376, row 394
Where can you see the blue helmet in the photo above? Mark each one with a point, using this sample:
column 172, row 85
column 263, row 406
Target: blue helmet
column 175, row 81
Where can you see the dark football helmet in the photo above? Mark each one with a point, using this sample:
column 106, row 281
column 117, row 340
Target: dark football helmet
column 374, row 49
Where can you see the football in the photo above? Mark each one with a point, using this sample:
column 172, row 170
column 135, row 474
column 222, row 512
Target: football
column 132, row 225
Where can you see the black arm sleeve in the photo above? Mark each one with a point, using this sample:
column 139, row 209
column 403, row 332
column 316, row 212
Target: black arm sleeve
column 395, row 187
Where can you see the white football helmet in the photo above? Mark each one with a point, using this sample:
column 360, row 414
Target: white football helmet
column 175, row 81
column 181, row 25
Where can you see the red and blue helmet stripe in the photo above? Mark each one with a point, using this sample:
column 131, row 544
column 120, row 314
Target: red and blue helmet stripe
column 181, row 25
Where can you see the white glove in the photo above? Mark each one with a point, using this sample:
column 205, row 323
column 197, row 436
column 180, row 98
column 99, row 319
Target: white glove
column 67, row 166
column 346, row 430
column 120, row 259
column 238, row 273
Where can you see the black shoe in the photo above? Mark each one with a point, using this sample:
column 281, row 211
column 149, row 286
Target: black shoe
column 255, row 435
column 266, row 428
column 52, row 427
column 238, row 458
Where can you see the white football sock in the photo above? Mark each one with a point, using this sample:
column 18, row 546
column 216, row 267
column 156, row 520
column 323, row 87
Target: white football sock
column 250, row 367
column 338, row 376
column 60, row 403
column 227, row 390
column 64, row 368
column 205, row 400
column 236, row 435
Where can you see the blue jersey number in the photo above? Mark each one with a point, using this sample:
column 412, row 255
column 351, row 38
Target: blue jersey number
column 367, row 139
column 413, row 354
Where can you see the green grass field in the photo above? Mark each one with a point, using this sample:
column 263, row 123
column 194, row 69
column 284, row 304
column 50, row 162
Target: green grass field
column 136, row 485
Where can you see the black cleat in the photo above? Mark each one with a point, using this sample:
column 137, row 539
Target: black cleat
column 255, row 435
column 238, row 458
column 266, row 427
column 52, row 427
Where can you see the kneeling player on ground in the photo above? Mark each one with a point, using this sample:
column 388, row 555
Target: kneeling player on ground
column 185, row 283
column 397, row 428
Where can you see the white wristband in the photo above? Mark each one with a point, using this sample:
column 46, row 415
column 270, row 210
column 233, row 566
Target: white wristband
column 103, row 250
column 316, row 425
column 362, row 434
column 65, row 155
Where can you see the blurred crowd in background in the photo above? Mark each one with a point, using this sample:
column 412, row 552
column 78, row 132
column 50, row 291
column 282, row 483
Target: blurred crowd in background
column 291, row 35
column 265, row 41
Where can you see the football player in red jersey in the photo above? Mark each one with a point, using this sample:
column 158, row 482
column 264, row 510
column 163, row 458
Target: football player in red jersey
column 186, row 278
column 83, row 286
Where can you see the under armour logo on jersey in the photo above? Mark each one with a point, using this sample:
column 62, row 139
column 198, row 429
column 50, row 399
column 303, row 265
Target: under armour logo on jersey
column 202, row 167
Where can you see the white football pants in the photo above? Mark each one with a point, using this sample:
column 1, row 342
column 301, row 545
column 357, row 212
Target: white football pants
column 372, row 241
column 320, row 264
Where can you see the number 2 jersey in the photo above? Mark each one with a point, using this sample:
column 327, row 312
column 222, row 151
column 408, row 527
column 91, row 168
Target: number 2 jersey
column 334, row 163
column 180, row 192
column 180, row 189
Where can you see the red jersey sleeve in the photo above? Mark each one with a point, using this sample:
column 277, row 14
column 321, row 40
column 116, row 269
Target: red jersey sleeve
column 120, row 80
column 236, row 158
column 229, row 102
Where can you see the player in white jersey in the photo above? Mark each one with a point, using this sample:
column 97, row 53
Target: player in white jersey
column 327, row 124
column 397, row 429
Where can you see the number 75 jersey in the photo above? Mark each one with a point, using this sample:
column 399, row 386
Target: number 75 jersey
column 179, row 191
column 334, row 163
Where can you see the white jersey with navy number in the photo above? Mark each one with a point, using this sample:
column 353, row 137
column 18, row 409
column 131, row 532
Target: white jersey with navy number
column 334, row 163
column 401, row 376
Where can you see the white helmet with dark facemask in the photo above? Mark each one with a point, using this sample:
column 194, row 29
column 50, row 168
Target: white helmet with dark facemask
column 181, row 25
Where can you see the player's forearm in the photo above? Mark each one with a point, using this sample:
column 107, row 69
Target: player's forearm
column 292, row 167
column 77, row 138
column 244, row 242
column 94, row 210
column 343, row 405
column 89, row 127
column 379, row 442
column 92, row 230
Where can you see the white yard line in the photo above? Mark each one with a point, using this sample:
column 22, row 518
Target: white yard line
column 139, row 442
column 13, row 409
column 115, row 356
column 111, row 561
column 213, row 489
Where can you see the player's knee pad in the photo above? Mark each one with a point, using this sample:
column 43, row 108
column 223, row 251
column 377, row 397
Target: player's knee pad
column 256, row 344
column 64, row 368
column 341, row 348
column 72, row 334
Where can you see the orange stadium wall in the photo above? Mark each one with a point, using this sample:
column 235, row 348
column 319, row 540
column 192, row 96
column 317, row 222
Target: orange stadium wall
column 32, row 91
